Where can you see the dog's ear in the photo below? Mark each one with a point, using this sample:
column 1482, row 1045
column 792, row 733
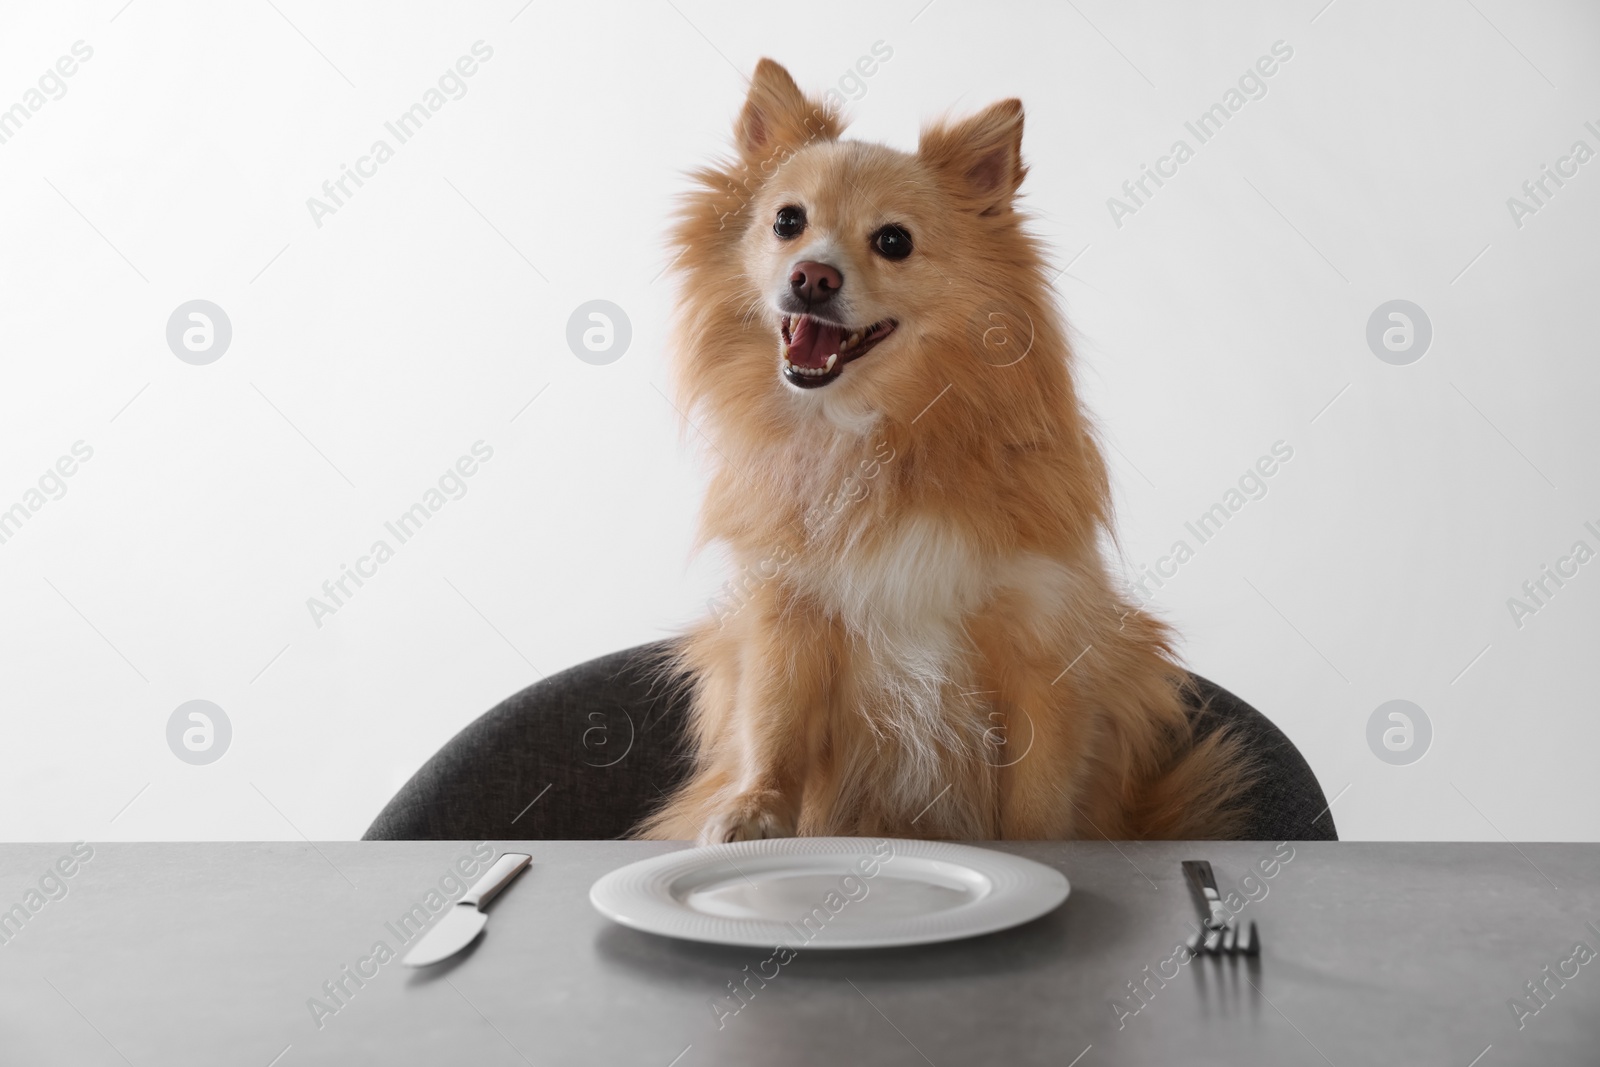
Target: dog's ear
column 778, row 118
column 981, row 155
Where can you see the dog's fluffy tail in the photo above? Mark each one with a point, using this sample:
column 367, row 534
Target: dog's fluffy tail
column 1203, row 793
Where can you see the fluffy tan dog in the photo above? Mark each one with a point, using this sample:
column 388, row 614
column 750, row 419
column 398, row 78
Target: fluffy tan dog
column 932, row 645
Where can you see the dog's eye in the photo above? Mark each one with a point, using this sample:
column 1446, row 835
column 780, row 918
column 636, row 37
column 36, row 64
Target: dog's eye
column 892, row 242
column 791, row 222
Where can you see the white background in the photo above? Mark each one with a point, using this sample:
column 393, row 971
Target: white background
column 368, row 354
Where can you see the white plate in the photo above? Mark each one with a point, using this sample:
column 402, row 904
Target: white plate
column 829, row 892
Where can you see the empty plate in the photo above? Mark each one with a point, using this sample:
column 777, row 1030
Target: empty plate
column 829, row 892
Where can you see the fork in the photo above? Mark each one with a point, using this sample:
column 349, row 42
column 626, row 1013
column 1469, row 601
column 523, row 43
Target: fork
column 1216, row 935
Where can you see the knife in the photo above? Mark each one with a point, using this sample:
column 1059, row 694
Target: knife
column 465, row 919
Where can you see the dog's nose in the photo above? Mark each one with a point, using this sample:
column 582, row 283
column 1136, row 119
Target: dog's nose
column 815, row 283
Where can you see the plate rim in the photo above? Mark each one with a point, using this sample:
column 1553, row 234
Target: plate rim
column 1026, row 890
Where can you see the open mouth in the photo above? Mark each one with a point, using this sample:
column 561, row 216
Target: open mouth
column 815, row 351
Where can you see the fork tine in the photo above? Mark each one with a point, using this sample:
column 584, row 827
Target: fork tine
column 1230, row 939
column 1251, row 942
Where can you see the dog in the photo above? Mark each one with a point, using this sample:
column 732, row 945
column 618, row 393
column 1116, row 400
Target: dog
column 930, row 643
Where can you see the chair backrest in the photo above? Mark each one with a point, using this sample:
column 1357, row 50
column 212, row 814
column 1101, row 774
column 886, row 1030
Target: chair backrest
column 588, row 752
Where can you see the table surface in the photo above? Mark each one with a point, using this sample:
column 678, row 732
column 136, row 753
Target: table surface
column 179, row 954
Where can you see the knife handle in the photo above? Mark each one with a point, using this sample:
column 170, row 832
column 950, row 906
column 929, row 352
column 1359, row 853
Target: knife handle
column 496, row 878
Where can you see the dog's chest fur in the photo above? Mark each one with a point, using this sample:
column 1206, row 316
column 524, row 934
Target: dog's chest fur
column 912, row 721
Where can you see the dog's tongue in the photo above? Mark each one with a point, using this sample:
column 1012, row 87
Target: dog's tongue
column 812, row 342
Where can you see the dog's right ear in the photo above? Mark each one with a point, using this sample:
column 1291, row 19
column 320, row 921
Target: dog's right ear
column 778, row 119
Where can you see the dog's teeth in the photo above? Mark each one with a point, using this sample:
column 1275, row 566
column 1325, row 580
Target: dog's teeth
column 812, row 372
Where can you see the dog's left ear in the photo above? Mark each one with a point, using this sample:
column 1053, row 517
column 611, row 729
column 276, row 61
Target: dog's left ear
column 981, row 155
column 778, row 118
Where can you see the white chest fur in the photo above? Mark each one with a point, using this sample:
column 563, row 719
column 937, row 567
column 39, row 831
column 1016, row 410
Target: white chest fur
column 915, row 588
column 911, row 588
column 912, row 675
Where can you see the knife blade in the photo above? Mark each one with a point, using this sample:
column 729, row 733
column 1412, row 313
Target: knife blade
column 465, row 919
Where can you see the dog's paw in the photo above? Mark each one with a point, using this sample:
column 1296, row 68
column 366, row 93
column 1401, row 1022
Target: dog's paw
column 749, row 817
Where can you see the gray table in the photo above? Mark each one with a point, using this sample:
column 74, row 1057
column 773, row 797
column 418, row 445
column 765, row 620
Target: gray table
column 1407, row 954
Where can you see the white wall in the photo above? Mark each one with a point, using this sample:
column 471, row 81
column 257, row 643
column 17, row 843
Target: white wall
column 371, row 352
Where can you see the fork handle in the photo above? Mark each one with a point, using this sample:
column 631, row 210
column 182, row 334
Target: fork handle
column 1203, row 886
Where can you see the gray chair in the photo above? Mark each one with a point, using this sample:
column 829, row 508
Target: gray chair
column 588, row 752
